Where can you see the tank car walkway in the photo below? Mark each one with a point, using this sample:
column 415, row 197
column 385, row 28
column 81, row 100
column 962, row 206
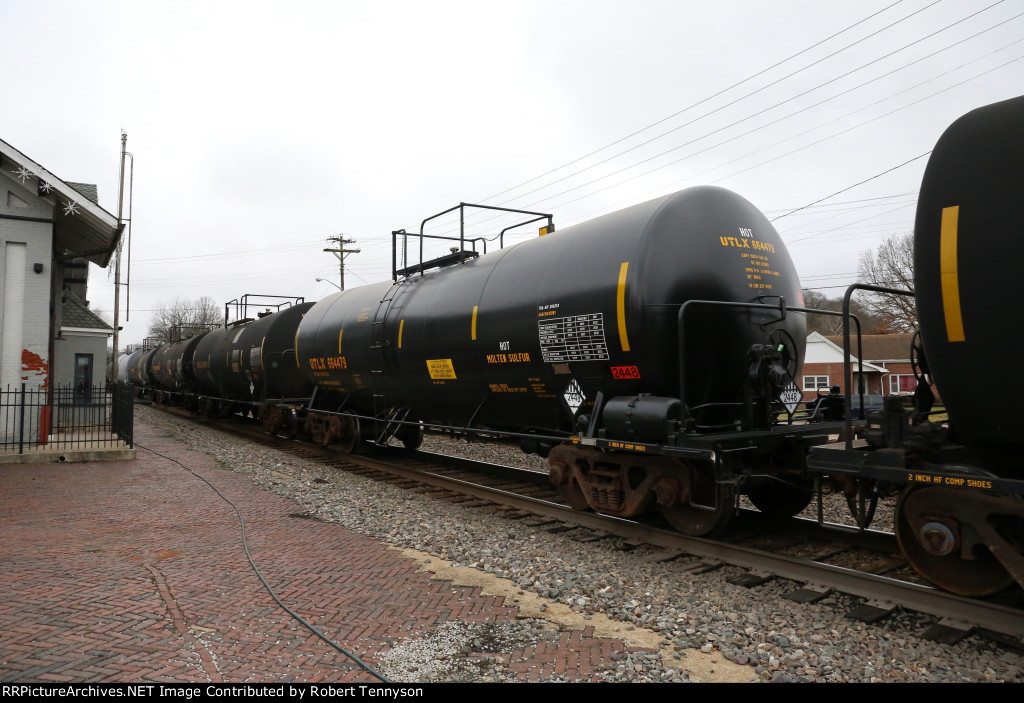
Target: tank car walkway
column 134, row 571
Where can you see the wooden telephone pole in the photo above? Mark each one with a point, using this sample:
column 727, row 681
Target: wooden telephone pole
column 341, row 252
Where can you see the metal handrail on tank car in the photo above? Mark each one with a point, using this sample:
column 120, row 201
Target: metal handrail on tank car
column 179, row 333
column 242, row 305
column 847, row 370
column 782, row 309
column 460, row 255
column 500, row 236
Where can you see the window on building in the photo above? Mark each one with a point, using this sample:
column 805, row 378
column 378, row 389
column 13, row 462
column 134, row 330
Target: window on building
column 83, row 378
column 902, row 383
column 813, row 383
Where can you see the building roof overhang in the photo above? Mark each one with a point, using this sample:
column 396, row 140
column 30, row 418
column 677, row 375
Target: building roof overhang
column 80, row 226
column 858, row 366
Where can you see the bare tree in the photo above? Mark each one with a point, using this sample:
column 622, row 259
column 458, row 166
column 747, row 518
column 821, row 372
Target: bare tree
column 181, row 319
column 832, row 325
column 891, row 266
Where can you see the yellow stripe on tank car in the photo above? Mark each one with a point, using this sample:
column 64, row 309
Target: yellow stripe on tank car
column 296, row 347
column 340, row 332
column 950, row 274
column 401, row 328
column 620, row 305
column 472, row 332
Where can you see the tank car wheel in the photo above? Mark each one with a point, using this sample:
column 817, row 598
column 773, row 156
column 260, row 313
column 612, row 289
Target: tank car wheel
column 208, row 408
column 561, row 475
column 350, row 436
column 930, row 536
column 708, row 510
column 289, row 426
column 315, row 428
column 411, row 436
column 334, row 428
column 782, row 498
column 271, row 419
column 572, row 494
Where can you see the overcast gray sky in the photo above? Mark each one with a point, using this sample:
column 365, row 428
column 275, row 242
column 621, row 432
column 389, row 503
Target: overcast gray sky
column 259, row 129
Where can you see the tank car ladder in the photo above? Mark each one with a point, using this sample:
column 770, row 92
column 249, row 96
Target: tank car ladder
column 385, row 423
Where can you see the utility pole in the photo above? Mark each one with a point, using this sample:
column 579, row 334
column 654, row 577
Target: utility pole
column 117, row 259
column 341, row 252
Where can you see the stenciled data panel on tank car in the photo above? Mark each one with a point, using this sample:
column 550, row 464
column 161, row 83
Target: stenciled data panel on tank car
column 573, row 338
column 754, row 258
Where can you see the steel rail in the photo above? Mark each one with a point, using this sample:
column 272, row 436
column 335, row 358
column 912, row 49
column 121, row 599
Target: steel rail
column 924, row 599
column 971, row 612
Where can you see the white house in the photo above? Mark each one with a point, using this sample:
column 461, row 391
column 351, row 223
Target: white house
column 823, row 368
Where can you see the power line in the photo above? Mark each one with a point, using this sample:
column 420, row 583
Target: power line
column 848, row 225
column 853, row 202
column 232, row 253
column 866, row 180
column 722, row 92
column 776, row 121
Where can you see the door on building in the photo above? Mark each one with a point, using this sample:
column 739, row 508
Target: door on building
column 83, row 378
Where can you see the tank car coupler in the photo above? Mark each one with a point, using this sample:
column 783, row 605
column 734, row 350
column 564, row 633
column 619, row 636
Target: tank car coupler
column 769, row 374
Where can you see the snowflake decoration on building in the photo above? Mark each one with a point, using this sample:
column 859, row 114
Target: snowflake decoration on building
column 71, row 208
column 23, row 174
column 44, row 187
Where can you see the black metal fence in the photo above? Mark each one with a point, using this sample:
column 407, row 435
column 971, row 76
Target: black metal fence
column 65, row 418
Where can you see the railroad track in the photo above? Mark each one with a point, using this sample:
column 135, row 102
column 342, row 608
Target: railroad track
column 796, row 550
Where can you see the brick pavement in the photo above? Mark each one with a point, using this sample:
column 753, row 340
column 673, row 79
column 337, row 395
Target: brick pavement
column 134, row 571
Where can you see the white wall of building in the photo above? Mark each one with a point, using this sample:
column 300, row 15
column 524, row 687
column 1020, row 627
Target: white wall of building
column 26, row 239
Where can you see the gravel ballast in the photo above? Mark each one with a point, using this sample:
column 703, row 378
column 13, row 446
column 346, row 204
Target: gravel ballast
column 760, row 635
